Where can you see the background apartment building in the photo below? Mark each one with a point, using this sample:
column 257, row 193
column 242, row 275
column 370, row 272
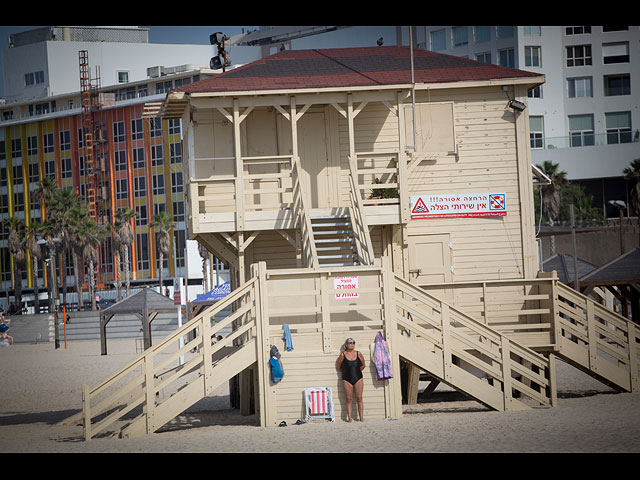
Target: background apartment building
column 586, row 116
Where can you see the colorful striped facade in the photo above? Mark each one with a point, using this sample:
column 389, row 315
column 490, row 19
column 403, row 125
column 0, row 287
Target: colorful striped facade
column 143, row 171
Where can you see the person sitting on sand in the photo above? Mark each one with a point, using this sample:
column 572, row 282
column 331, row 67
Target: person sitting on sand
column 351, row 363
column 5, row 340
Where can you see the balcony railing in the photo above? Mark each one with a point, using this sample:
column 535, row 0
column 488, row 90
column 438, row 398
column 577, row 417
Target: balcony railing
column 583, row 139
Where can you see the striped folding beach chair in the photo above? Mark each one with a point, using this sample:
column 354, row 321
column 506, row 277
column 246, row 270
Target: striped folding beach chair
column 319, row 403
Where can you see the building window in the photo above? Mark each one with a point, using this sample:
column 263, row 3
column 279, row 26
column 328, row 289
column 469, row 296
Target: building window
column 50, row 169
column 158, row 208
column 32, row 145
column 155, row 127
column 615, row 52
column 175, row 152
column 580, row 87
column 122, row 189
column 142, row 244
column 532, row 31
column 578, row 55
column 157, row 156
column 118, row 132
column 47, row 142
column 581, row 131
column 34, row 172
column 536, row 131
column 120, row 160
column 164, row 87
column 532, row 57
column 123, row 77
column 17, row 173
column 33, row 78
column 577, row 30
column 503, row 31
column 174, row 126
column 618, row 127
column 141, row 217
column 137, row 132
column 138, row 157
column 438, row 40
column 158, row 184
column 139, row 187
column 66, row 169
column 178, row 211
column 181, row 243
column 460, row 36
column 176, row 182
column 617, row 85
column 484, row 57
column 16, row 148
column 65, row 140
column 482, row 34
column 535, row 92
column 613, row 28
column 506, row 57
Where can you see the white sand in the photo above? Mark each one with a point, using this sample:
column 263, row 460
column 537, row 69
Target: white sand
column 42, row 385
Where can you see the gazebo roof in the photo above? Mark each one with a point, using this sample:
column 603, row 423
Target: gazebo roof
column 563, row 265
column 145, row 299
column 623, row 270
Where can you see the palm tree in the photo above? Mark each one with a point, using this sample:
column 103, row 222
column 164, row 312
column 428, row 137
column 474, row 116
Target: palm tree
column 551, row 194
column 632, row 173
column 162, row 224
column 77, row 217
column 32, row 233
column 125, row 231
column 16, row 248
column 90, row 235
column 62, row 203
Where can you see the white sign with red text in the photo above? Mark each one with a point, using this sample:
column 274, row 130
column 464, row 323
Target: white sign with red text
column 347, row 287
column 459, row 205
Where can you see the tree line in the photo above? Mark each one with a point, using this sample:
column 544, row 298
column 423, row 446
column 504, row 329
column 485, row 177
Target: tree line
column 66, row 228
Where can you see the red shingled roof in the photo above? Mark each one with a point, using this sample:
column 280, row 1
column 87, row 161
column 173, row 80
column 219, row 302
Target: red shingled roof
column 351, row 67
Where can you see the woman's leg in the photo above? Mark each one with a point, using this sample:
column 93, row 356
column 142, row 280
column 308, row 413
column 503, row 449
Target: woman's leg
column 348, row 391
column 357, row 390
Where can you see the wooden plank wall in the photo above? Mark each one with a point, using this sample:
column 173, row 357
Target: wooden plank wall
column 483, row 248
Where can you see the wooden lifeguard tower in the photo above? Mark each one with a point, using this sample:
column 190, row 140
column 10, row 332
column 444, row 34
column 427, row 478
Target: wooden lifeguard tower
column 359, row 190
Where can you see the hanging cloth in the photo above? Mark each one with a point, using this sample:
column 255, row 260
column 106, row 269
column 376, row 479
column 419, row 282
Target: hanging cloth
column 288, row 344
column 381, row 359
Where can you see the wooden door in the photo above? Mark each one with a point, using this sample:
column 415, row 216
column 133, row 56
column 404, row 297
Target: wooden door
column 314, row 160
column 429, row 258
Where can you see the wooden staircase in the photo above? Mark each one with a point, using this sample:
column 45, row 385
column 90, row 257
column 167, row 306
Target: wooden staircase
column 334, row 239
column 469, row 356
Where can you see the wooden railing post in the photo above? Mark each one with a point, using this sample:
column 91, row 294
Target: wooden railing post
column 86, row 412
column 446, row 341
column 505, row 349
column 393, row 392
column 150, row 398
column 265, row 401
column 633, row 357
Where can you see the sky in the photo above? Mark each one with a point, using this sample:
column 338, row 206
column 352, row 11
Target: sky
column 192, row 34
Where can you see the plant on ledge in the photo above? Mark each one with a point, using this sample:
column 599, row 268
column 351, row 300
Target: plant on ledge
column 377, row 193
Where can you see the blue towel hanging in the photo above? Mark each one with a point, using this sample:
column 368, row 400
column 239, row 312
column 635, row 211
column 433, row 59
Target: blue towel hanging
column 288, row 344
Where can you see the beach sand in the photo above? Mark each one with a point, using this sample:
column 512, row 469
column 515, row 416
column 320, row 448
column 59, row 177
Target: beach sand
column 42, row 385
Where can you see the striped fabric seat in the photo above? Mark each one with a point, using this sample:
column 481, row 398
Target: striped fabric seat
column 319, row 403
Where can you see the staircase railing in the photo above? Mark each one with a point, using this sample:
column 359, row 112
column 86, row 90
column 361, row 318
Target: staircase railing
column 364, row 246
column 150, row 382
column 597, row 339
column 303, row 221
column 469, row 355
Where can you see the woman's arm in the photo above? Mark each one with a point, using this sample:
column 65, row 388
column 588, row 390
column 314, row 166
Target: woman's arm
column 361, row 360
column 339, row 361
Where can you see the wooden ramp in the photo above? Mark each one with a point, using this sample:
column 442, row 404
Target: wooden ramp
column 466, row 354
column 596, row 340
column 156, row 387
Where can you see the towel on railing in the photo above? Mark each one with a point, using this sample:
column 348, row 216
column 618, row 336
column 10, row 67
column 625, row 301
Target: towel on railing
column 288, row 344
column 381, row 359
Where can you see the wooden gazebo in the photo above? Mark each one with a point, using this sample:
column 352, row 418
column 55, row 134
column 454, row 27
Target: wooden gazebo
column 623, row 273
column 146, row 304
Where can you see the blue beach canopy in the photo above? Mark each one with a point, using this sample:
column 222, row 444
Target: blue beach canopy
column 216, row 294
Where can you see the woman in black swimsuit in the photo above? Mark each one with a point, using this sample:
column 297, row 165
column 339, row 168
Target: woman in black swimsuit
column 351, row 363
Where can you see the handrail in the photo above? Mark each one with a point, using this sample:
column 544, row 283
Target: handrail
column 302, row 217
column 361, row 228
